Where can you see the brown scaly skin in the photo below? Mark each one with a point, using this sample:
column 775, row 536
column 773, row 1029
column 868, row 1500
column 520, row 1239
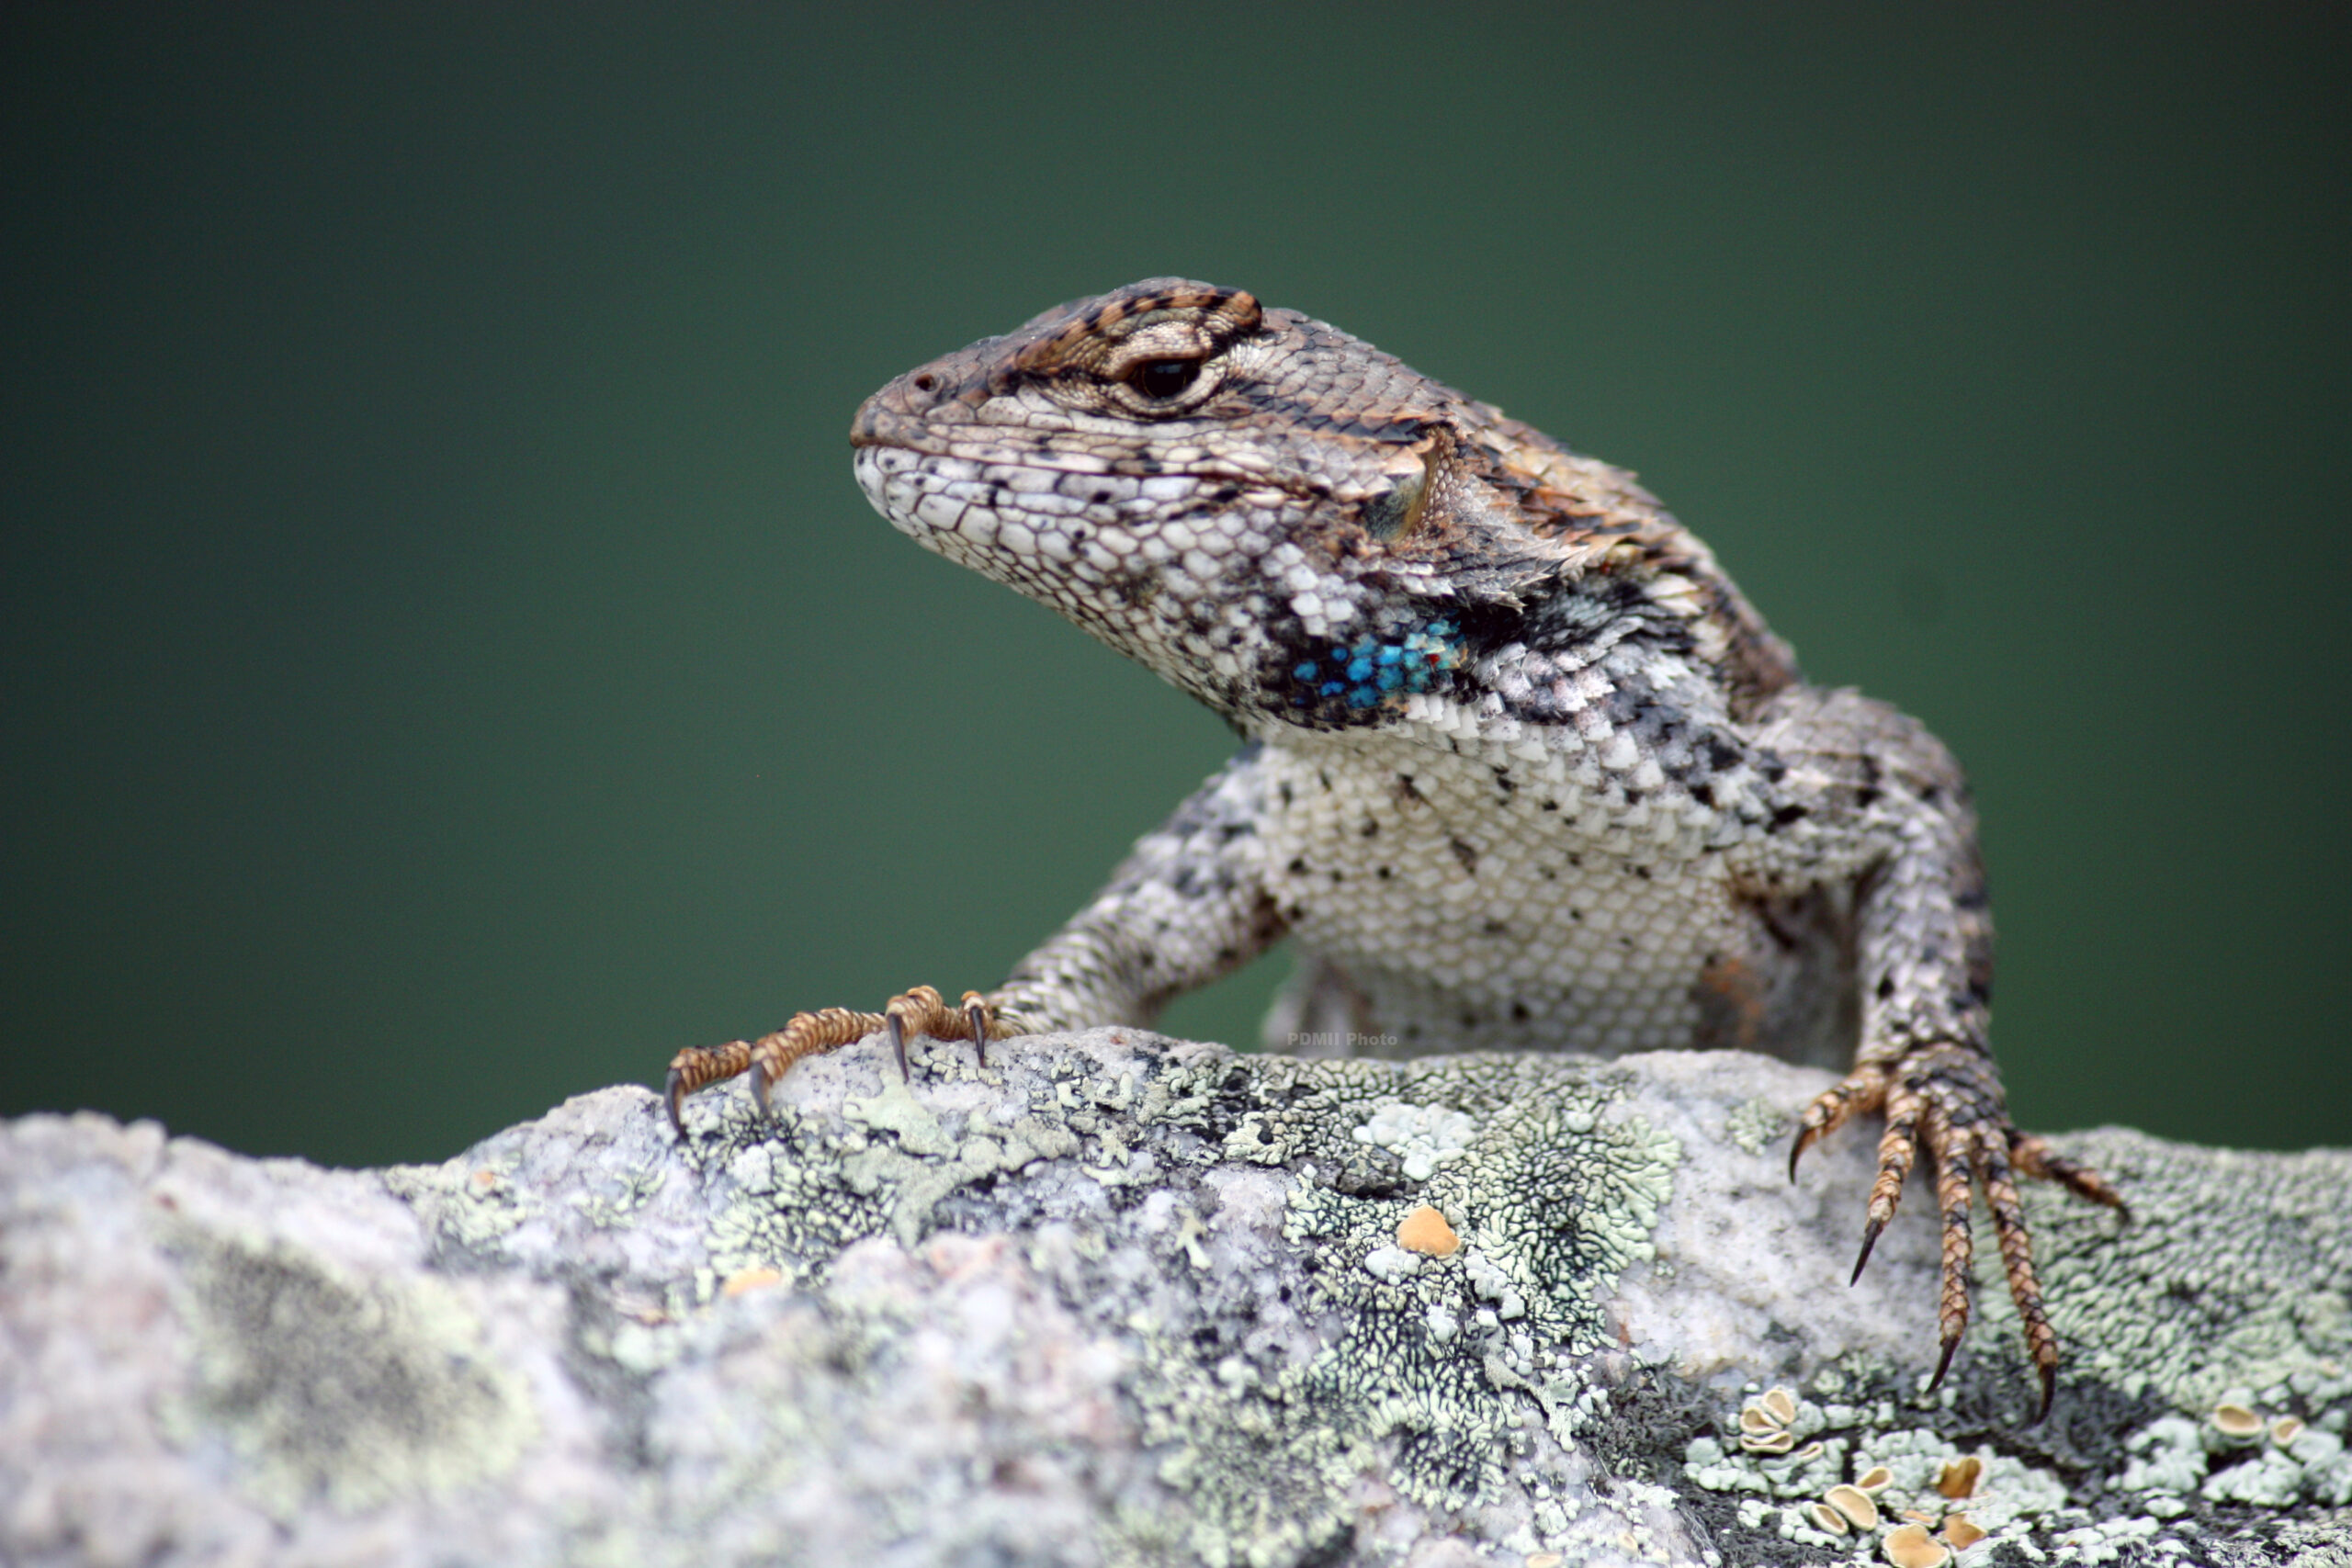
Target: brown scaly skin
column 1524, row 771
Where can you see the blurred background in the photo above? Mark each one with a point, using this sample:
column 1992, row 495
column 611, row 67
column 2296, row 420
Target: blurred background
column 447, row 665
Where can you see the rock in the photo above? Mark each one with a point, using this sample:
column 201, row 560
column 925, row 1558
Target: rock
column 1119, row 1299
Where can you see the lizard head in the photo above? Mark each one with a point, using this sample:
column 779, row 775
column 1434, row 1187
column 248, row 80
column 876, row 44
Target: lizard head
column 1276, row 516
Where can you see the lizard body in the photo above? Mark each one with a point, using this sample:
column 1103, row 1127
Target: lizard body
column 1523, row 767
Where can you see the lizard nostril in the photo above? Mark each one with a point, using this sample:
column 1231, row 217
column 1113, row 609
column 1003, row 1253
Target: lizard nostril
column 925, row 382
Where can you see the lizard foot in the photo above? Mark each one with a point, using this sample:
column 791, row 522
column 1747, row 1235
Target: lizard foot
column 1947, row 1098
column 921, row 1011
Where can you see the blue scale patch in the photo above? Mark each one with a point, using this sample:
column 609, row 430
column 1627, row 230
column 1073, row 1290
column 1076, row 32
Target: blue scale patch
column 1366, row 673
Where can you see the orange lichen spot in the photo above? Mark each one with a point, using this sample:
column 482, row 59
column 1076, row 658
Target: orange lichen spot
column 484, row 1179
column 744, row 1280
column 1856, row 1505
column 1875, row 1479
column 2236, row 1421
column 1959, row 1534
column 1958, row 1477
column 1425, row 1230
column 1910, row 1546
column 1827, row 1519
column 1546, row 1560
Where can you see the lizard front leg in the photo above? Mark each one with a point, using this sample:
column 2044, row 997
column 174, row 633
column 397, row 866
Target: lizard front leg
column 1923, row 959
column 1185, row 907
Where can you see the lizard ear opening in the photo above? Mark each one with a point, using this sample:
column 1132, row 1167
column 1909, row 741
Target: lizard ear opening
column 1395, row 514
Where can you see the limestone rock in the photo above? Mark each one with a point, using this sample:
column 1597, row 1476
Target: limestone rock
column 1119, row 1299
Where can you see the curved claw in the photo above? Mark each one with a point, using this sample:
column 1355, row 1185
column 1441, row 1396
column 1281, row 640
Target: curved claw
column 1870, row 1239
column 758, row 1073
column 698, row 1066
column 1862, row 1091
column 976, row 1016
column 2049, row 1392
column 896, row 1029
column 1943, row 1362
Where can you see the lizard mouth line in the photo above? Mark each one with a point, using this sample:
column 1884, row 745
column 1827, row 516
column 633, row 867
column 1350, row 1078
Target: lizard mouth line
column 1121, row 467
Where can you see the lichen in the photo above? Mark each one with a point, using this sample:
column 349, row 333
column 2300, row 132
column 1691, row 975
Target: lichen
column 1230, row 1225
column 2227, row 1287
column 2234, row 1270
column 1939, row 1457
column 1423, row 1137
column 336, row 1386
column 805, row 1187
column 1755, row 1125
column 1433, row 1371
column 1427, row 1383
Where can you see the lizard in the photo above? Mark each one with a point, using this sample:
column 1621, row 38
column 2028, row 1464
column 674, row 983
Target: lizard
column 1522, row 767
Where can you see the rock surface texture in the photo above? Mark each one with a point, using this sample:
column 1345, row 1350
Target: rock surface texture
column 1119, row 1299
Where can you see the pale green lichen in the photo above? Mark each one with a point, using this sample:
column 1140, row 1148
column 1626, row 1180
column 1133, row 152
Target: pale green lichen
column 1423, row 1137
column 2230, row 1283
column 2173, row 1465
column 1755, row 1125
column 475, row 1209
column 805, row 1187
column 2009, row 1500
column 1427, row 1385
column 1438, row 1361
column 2234, row 1269
column 336, row 1386
column 2168, row 1457
column 2178, row 1457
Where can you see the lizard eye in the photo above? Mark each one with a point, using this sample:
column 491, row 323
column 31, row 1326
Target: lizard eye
column 1164, row 379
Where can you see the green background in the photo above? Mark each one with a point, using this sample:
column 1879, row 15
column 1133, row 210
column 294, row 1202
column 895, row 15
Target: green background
column 448, row 665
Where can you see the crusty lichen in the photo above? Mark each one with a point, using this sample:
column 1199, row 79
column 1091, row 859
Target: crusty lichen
column 1435, row 1366
column 1437, row 1379
column 2235, row 1271
column 1118, row 1300
column 2227, row 1288
column 2182, row 1488
column 1225, row 1229
column 335, row 1385
column 1755, row 1125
